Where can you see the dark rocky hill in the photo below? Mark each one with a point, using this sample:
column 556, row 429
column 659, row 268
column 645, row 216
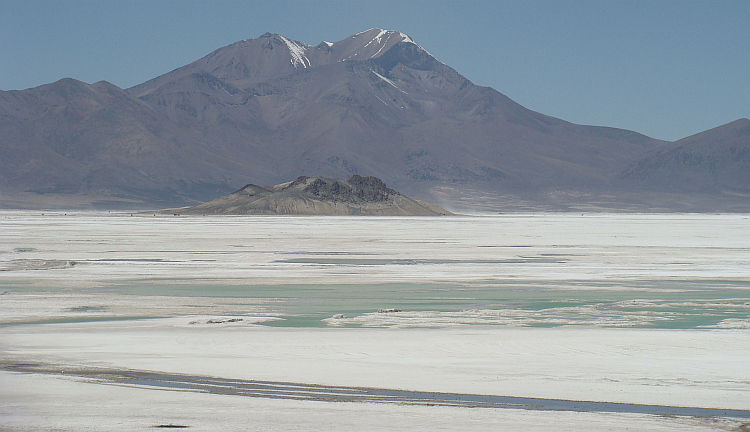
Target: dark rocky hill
column 263, row 110
column 357, row 195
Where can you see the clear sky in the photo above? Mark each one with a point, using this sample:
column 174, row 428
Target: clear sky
column 665, row 68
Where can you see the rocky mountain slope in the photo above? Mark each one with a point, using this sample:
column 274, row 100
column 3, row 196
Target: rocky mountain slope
column 711, row 161
column 267, row 109
column 357, row 195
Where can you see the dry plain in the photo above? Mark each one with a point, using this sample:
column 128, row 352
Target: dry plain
column 592, row 322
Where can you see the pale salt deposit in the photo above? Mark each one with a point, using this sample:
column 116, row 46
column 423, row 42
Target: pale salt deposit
column 638, row 309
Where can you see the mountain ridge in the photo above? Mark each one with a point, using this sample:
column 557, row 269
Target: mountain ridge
column 267, row 109
column 708, row 161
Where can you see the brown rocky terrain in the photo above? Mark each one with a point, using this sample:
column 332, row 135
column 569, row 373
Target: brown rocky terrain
column 356, row 195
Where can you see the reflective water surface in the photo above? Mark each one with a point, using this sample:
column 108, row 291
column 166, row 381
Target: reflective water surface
column 537, row 270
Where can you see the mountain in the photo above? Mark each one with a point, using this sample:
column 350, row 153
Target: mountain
column 357, row 195
column 712, row 161
column 377, row 102
column 97, row 142
column 268, row 109
column 709, row 170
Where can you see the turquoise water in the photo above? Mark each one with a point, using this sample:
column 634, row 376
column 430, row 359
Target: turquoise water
column 641, row 304
column 537, row 270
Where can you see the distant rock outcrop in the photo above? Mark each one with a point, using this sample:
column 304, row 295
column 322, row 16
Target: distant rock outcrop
column 356, row 195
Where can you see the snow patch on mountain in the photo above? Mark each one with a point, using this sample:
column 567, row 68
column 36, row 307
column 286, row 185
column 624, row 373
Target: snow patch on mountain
column 376, row 54
column 297, row 50
column 389, row 82
column 370, row 44
column 377, row 38
column 383, row 37
column 406, row 38
column 384, row 34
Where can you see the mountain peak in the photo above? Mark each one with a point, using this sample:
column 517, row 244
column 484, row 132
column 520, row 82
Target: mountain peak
column 378, row 34
column 250, row 61
column 739, row 127
column 740, row 123
column 364, row 45
column 370, row 44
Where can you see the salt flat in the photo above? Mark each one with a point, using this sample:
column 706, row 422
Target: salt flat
column 638, row 309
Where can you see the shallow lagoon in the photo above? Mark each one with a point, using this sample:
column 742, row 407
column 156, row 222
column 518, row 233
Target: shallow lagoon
column 652, row 271
column 644, row 310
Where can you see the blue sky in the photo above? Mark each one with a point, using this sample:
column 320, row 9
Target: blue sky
column 665, row 68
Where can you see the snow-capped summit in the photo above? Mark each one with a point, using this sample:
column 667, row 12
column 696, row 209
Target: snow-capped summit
column 271, row 55
column 369, row 44
column 362, row 46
